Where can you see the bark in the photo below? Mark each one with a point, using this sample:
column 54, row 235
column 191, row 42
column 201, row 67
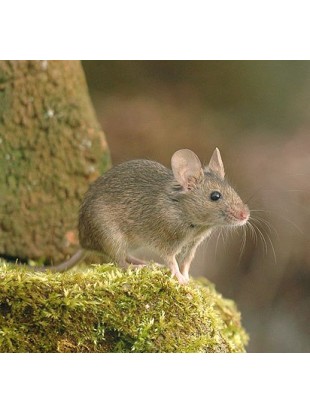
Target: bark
column 51, row 148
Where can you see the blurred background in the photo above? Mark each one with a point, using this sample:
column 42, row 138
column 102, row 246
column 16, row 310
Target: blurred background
column 257, row 113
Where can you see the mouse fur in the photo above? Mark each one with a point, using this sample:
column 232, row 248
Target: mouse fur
column 143, row 203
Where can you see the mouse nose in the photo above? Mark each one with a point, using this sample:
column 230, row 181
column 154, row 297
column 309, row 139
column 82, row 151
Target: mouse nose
column 243, row 214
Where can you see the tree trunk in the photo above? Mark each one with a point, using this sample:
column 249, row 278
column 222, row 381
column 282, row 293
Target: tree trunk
column 51, row 148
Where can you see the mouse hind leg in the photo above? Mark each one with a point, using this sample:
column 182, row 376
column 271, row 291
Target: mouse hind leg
column 119, row 255
column 115, row 247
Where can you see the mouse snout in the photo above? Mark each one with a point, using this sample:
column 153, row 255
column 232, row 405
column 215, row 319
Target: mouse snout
column 241, row 215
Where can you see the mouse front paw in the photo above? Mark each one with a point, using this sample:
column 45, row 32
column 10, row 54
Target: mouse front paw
column 182, row 280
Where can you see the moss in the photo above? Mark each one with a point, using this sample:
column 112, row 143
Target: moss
column 105, row 309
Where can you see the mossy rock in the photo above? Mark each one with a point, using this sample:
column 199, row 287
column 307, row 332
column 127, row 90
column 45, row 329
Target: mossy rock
column 105, row 309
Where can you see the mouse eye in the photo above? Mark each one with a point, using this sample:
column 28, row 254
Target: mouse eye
column 215, row 196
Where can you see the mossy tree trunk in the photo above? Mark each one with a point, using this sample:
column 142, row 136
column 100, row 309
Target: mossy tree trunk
column 51, row 148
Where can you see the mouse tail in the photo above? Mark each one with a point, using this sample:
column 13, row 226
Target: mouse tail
column 63, row 266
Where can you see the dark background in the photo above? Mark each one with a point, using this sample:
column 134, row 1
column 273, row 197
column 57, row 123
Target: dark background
column 257, row 113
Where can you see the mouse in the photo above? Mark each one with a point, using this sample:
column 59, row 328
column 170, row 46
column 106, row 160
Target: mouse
column 143, row 203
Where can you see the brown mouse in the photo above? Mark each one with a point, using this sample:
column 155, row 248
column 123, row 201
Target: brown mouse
column 141, row 202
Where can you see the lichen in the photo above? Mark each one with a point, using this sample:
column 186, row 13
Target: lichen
column 105, row 309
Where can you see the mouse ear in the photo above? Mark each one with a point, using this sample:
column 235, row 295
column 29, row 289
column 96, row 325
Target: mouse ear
column 216, row 164
column 186, row 168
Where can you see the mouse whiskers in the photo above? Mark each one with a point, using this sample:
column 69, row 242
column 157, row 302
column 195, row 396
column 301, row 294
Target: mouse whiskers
column 243, row 243
column 257, row 226
column 220, row 234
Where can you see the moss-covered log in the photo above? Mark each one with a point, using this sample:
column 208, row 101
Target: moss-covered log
column 51, row 148
column 104, row 309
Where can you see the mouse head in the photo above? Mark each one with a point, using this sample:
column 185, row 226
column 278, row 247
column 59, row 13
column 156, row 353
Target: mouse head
column 207, row 196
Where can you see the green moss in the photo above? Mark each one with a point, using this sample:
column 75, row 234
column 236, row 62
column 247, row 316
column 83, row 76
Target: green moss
column 105, row 309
